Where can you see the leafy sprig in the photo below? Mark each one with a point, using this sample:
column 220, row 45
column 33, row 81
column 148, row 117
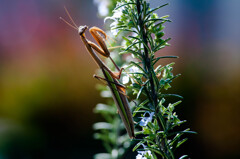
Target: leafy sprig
column 157, row 136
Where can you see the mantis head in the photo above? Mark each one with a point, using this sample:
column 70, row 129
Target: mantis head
column 82, row 29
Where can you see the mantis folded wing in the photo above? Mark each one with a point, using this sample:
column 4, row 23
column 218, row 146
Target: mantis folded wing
column 117, row 90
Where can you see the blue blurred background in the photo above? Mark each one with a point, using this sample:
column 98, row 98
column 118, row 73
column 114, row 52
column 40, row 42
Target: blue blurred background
column 47, row 92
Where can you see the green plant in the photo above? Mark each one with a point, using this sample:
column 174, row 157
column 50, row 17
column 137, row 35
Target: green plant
column 155, row 117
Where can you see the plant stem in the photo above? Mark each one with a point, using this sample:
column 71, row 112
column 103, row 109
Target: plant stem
column 149, row 70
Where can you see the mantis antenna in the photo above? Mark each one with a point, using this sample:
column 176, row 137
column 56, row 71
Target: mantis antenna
column 73, row 25
column 68, row 23
column 70, row 17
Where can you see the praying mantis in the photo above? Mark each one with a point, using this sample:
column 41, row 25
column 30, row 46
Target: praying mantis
column 112, row 78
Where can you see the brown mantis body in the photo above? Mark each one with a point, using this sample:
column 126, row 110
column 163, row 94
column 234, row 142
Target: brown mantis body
column 117, row 89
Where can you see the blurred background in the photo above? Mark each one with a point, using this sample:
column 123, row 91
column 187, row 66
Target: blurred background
column 47, row 93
